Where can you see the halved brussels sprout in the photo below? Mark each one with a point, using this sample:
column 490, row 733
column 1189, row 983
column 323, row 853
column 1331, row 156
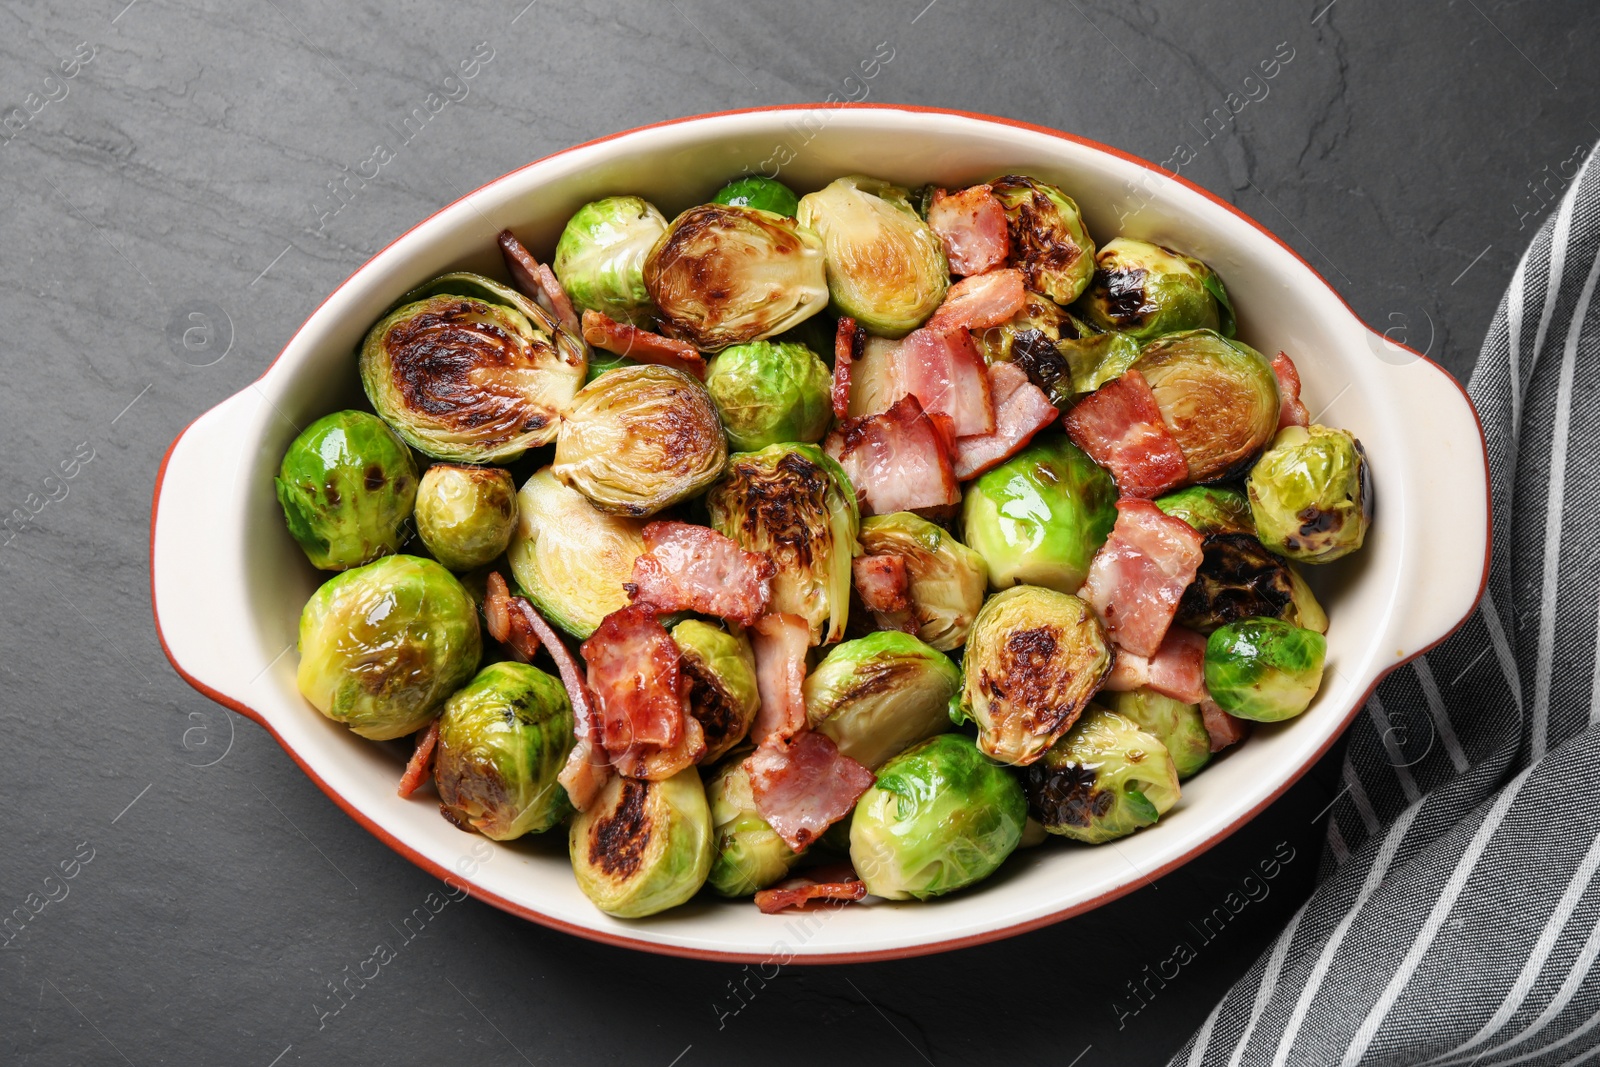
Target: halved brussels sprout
column 940, row 817
column 1210, row 509
column 720, row 672
column 642, row 846
column 795, row 504
column 724, row 275
column 1218, row 397
column 1311, row 494
column 465, row 514
column 1176, row 724
column 1039, row 517
column 469, row 370
column 346, row 487
column 886, row 268
column 382, row 646
column 1266, row 670
column 600, row 257
column 878, row 694
column 1146, row 289
column 503, row 738
column 767, row 392
column 569, row 557
column 759, row 191
column 640, row 439
column 1040, row 320
column 948, row 580
column 749, row 854
column 1240, row 579
column 1049, row 243
column 1068, row 368
column 1034, row 659
column 1105, row 779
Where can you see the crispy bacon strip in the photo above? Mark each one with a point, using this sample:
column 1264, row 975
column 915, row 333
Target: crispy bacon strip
column 1140, row 573
column 780, row 643
column 1291, row 412
column 642, row 346
column 849, row 342
column 801, row 892
column 981, row 301
column 633, row 672
column 538, row 282
column 1120, row 426
column 897, row 461
column 419, row 768
column 695, row 568
column 972, row 226
column 947, row 375
column 1020, row 410
column 1224, row 729
column 882, row 582
column 803, row 784
column 1177, row 670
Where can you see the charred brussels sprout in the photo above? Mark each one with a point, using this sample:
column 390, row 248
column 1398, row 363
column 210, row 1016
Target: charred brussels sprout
column 1105, row 779
column 1041, row 321
column 720, row 672
column 768, row 392
column 346, row 486
column 749, row 854
column 1033, row 660
column 1040, row 516
column 940, row 817
column 722, row 275
column 640, row 439
column 643, row 846
column 759, row 191
column 1218, row 397
column 1145, row 290
column 947, row 579
column 600, row 257
column 1176, row 724
column 886, row 268
column 382, row 646
column 795, row 504
column 1264, row 669
column 1311, row 494
column 1071, row 367
column 471, row 371
column 465, row 515
column 878, row 694
column 1049, row 243
column 502, row 741
column 1210, row 509
column 1240, row 579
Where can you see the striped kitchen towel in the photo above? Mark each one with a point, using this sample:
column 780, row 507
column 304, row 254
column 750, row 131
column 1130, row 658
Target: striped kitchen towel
column 1457, row 916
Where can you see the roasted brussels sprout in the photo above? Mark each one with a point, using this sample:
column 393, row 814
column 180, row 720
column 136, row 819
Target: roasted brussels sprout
column 382, row 646
column 640, row 439
column 1033, row 660
column 886, row 268
column 471, row 371
column 1040, row 516
column 503, row 738
column 465, row 515
column 600, row 257
column 346, row 486
column 1040, row 320
column 1105, row 779
column 1049, row 243
column 878, row 694
column 720, row 672
column 724, row 275
column 759, row 191
column 767, row 392
column 948, row 579
column 1240, row 579
column 1218, row 397
column 940, row 817
column 643, row 846
column 748, row 854
column 1266, row 670
column 1145, row 289
column 1210, row 509
column 794, row 503
column 1176, row 724
column 1069, row 368
column 1311, row 494
column 569, row 557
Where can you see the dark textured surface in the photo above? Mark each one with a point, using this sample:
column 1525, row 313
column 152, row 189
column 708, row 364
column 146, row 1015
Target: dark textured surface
column 1406, row 151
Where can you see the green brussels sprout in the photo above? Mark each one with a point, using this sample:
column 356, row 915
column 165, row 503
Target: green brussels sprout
column 471, row 371
column 1069, row 368
column 886, row 268
column 768, row 393
column 600, row 257
column 1103, row 780
column 793, row 502
column 1040, row 320
column 1218, row 397
column 1177, row 725
column 1034, row 659
column 346, row 486
column 879, row 694
column 749, row 854
column 642, row 846
column 1039, row 517
column 502, row 741
column 948, row 580
column 465, row 515
column 940, row 817
column 724, row 275
column 1145, row 290
column 382, row 646
column 720, row 672
column 1265, row 670
column 569, row 557
column 1210, row 509
column 1049, row 243
column 640, row 439
column 759, row 191
column 1239, row 579
column 1311, row 494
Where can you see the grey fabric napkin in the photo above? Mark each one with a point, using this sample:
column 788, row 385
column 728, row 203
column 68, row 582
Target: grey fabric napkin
column 1457, row 915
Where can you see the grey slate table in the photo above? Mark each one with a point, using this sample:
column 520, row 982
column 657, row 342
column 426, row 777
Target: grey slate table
column 167, row 158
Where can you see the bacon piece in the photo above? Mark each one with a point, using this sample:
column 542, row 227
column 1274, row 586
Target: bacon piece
column 642, row 346
column 1140, row 573
column 633, row 672
column 1128, row 672
column 419, row 768
column 1120, row 426
column 882, row 582
column 1020, row 410
column 695, row 568
column 1224, row 729
column 780, row 643
column 801, row 891
column 897, row 461
column 972, row 225
column 1178, row 669
column 981, row 301
column 538, row 282
column 1291, row 412
column 803, row 784
column 947, row 375
column 657, row 763
column 849, row 343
